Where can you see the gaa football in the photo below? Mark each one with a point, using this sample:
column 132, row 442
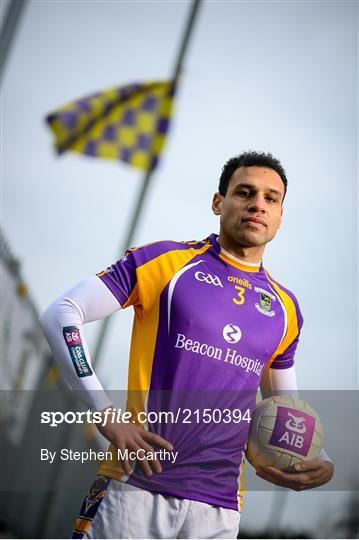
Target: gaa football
column 284, row 430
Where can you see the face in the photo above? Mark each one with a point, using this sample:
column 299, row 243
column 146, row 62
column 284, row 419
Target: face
column 251, row 211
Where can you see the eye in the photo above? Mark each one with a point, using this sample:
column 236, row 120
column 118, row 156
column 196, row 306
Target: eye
column 271, row 199
column 244, row 192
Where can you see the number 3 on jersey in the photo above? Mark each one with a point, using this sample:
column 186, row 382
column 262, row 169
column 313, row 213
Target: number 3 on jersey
column 239, row 300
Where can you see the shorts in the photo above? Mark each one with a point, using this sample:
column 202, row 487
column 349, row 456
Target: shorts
column 125, row 511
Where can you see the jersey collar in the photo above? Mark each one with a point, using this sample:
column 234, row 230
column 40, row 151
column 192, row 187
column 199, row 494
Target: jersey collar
column 230, row 259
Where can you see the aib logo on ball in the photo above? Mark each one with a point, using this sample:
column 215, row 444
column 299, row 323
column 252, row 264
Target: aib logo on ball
column 293, row 430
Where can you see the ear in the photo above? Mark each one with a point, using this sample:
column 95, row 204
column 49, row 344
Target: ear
column 217, row 204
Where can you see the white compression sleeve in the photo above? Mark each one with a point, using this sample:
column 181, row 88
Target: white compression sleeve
column 279, row 382
column 276, row 382
column 88, row 301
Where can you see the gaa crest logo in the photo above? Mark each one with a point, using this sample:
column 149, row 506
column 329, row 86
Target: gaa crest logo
column 209, row 279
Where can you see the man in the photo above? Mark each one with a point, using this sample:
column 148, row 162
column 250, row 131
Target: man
column 210, row 325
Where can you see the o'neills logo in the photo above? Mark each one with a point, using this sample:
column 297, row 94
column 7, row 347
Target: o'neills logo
column 240, row 281
column 230, row 356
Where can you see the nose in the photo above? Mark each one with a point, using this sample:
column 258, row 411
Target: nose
column 257, row 203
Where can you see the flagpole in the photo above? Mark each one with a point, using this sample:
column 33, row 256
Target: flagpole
column 147, row 178
column 10, row 25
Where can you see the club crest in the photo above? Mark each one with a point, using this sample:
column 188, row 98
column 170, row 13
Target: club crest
column 265, row 302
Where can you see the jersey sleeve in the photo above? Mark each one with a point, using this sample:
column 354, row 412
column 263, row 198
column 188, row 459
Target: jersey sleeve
column 121, row 279
column 286, row 359
column 283, row 357
column 140, row 276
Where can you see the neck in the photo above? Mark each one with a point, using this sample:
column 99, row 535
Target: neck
column 252, row 254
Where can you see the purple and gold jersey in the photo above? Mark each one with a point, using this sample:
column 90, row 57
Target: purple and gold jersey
column 205, row 326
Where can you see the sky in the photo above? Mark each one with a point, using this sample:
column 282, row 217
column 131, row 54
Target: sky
column 268, row 76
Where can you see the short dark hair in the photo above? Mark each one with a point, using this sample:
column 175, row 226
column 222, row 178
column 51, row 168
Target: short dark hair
column 250, row 159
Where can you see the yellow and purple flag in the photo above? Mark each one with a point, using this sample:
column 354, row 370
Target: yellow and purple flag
column 129, row 123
